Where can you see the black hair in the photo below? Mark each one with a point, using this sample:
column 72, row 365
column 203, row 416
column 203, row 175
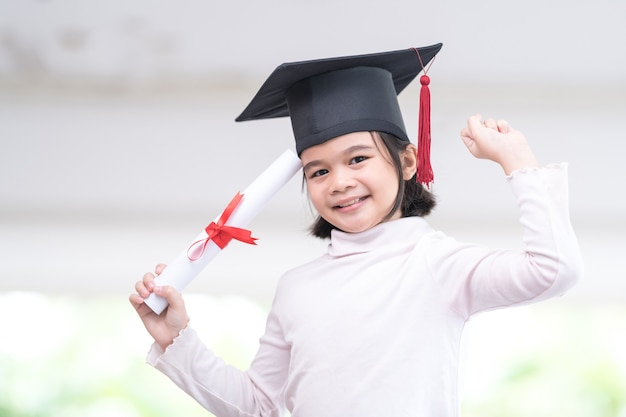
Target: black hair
column 413, row 198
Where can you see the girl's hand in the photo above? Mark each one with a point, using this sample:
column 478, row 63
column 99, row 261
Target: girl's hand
column 166, row 326
column 498, row 142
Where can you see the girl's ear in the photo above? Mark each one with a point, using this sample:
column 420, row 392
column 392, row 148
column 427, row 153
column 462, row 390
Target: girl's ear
column 409, row 161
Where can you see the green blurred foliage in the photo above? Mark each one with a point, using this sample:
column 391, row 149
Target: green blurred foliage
column 572, row 363
column 66, row 357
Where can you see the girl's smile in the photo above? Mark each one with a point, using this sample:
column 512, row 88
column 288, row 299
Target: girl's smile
column 350, row 203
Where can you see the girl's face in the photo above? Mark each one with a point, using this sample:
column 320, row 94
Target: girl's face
column 352, row 182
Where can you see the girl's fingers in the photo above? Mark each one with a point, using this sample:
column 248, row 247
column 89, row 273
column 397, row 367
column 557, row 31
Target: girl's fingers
column 503, row 126
column 173, row 297
column 148, row 281
column 144, row 287
column 491, row 124
column 474, row 124
column 136, row 300
column 159, row 269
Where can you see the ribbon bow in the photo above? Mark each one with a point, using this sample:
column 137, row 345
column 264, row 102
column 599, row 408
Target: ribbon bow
column 221, row 234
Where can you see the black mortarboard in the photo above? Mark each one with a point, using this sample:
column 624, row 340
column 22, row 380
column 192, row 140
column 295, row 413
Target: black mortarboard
column 327, row 98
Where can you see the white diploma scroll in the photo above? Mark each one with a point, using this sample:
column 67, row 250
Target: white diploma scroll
column 183, row 270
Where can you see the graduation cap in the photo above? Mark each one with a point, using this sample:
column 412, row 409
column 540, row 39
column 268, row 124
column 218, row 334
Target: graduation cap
column 326, row 98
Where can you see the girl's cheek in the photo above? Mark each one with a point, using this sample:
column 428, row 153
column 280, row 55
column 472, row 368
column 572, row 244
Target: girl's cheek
column 314, row 197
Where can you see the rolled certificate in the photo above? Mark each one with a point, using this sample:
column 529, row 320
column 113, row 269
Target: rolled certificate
column 240, row 212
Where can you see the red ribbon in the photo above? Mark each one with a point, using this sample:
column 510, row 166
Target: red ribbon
column 221, row 234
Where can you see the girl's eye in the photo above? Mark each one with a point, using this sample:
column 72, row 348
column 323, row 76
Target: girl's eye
column 319, row 173
column 358, row 159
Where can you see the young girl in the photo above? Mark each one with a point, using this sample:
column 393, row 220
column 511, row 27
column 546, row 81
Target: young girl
column 373, row 326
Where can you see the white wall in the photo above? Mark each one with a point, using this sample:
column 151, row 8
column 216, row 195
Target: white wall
column 118, row 145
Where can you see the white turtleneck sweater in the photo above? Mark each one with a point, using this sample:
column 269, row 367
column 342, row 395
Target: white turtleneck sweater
column 373, row 327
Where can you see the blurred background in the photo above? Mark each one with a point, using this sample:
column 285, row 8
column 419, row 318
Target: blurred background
column 118, row 145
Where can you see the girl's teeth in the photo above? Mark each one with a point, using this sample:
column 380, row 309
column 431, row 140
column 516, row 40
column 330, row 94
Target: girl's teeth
column 349, row 203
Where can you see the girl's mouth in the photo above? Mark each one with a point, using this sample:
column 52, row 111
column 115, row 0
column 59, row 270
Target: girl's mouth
column 350, row 203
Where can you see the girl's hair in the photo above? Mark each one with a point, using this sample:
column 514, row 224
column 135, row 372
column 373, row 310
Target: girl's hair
column 413, row 198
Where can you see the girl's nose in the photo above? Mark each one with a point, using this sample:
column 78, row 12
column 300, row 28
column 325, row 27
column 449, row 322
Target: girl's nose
column 342, row 180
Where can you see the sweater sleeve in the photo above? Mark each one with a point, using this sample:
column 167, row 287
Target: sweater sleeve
column 475, row 278
column 221, row 388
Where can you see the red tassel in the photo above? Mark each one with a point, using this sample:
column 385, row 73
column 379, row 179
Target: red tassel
column 424, row 169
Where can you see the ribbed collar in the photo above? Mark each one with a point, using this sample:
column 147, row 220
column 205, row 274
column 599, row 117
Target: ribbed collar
column 388, row 235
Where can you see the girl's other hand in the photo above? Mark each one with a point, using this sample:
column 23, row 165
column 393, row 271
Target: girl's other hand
column 166, row 326
column 498, row 142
